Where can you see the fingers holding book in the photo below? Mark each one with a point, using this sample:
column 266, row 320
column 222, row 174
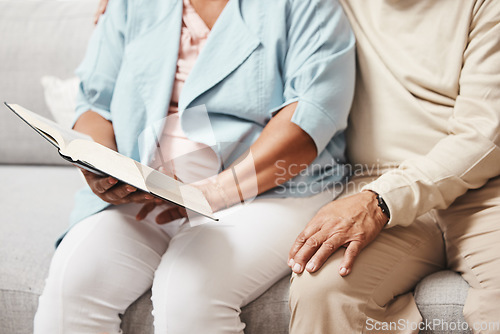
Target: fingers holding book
column 114, row 192
column 169, row 213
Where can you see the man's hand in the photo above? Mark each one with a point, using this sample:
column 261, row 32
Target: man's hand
column 112, row 191
column 352, row 222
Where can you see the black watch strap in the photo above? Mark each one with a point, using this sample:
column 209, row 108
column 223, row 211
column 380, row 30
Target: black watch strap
column 382, row 205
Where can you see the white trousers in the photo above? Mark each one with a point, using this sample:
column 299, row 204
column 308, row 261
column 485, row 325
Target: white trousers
column 200, row 275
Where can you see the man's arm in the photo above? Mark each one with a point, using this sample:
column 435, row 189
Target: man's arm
column 465, row 159
column 470, row 154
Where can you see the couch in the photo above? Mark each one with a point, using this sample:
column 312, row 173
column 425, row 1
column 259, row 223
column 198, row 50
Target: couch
column 41, row 38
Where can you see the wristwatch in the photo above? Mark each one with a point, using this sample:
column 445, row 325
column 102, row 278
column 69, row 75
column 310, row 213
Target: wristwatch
column 382, row 205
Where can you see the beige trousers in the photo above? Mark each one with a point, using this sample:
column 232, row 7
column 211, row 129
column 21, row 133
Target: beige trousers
column 378, row 292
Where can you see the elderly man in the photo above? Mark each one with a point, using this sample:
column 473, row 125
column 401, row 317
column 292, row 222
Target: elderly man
column 424, row 141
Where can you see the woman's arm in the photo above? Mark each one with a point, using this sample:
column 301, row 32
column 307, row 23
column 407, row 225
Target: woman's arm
column 97, row 127
column 106, row 188
column 98, row 73
column 281, row 152
column 282, row 145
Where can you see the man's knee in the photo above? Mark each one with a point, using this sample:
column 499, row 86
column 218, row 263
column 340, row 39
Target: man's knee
column 312, row 289
column 325, row 302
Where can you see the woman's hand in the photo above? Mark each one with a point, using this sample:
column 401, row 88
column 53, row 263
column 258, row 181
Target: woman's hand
column 106, row 188
column 114, row 192
column 351, row 222
column 170, row 212
column 214, row 194
column 101, row 9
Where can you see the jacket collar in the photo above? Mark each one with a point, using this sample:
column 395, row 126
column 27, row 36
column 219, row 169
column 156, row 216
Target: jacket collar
column 229, row 44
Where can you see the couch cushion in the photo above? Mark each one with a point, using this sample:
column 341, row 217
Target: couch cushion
column 440, row 298
column 270, row 312
column 35, row 208
column 44, row 37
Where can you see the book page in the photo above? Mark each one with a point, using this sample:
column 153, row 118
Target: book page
column 183, row 194
column 50, row 130
column 83, row 151
column 138, row 175
column 106, row 160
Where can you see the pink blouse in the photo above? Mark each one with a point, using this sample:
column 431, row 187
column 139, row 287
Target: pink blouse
column 189, row 161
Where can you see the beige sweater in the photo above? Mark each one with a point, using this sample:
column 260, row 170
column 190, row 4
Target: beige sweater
column 427, row 99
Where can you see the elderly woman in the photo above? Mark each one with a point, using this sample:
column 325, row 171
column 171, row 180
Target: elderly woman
column 250, row 99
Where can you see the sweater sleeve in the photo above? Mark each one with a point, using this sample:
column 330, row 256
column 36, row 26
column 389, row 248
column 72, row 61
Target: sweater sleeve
column 470, row 154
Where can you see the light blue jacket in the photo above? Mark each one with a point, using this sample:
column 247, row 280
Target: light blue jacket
column 260, row 56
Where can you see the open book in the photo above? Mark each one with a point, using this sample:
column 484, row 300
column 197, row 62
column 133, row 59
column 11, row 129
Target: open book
column 82, row 151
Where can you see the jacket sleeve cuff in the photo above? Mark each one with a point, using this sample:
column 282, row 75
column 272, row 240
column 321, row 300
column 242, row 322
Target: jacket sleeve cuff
column 398, row 194
column 84, row 106
column 311, row 118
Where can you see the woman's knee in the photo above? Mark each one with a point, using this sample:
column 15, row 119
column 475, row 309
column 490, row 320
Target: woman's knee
column 196, row 288
column 95, row 262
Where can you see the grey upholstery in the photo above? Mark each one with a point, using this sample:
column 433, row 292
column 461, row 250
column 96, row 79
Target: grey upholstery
column 48, row 37
column 440, row 298
column 38, row 38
